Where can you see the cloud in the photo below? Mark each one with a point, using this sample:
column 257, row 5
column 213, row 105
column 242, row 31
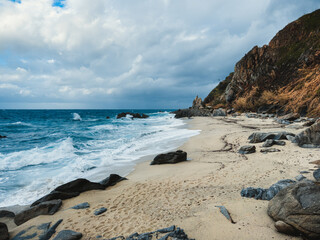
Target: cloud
column 124, row 54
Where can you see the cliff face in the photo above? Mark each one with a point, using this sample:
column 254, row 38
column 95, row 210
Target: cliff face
column 281, row 75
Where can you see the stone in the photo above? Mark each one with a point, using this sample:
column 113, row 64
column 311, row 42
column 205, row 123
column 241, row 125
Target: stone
column 5, row 213
column 225, row 213
column 258, row 137
column 247, row 149
column 266, row 194
column 285, row 228
column 81, row 206
column 300, row 177
column 220, row 112
column 100, row 211
column 52, row 230
column 134, row 115
column 269, row 150
column 75, row 187
column 1, row 136
column 171, row 157
column 68, row 235
column 316, row 174
column 271, row 142
column 197, row 102
column 4, row 233
column 44, row 208
column 310, row 137
column 298, row 206
column 290, row 117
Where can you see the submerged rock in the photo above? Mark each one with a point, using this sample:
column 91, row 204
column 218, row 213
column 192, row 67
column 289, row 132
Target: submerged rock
column 266, row 194
column 68, row 235
column 4, row 233
column 247, row 149
column 310, row 137
column 171, row 157
column 1, row 136
column 134, row 115
column 44, row 208
column 298, row 206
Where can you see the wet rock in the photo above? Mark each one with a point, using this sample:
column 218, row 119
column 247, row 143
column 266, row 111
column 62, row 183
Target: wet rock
column 220, row 112
column 310, row 137
column 74, row 188
column 1, row 136
column 134, row 115
column 309, row 123
column 44, row 208
column 171, row 157
column 290, row 117
column 225, row 213
column 316, row 174
column 285, row 228
column 5, row 213
column 81, row 206
column 107, row 117
column 266, row 194
column 68, row 235
column 100, row 211
column 247, row 149
column 269, row 150
column 258, row 137
column 4, row 234
column 298, row 206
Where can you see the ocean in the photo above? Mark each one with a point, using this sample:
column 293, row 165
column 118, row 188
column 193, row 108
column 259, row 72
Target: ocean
column 47, row 148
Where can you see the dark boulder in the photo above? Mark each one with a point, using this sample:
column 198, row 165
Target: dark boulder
column 220, row 112
column 316, row 174
column 134, row 115
column 266, row 194
column 171, row 157
column 100, row 211
column 5, row 213
column 3, row 136
column 192, row 112
column 4, row 234
column 68, row 235
column 298, row 206
column 75, row 187
column 44, row 208
column 247, row 149
column 81, row 206
column 309, row 137
column 258, row 137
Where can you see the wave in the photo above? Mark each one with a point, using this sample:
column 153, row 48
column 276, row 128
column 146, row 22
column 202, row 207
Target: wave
column 76, row 117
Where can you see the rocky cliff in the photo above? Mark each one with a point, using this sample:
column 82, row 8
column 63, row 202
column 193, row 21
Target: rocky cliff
column 281, row 76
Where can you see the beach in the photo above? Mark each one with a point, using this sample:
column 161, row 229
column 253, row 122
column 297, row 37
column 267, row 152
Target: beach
column 186, row 194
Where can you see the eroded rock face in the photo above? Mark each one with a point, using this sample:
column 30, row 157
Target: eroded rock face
column 309, row 137
column 258, row 137
column 197, row 102
column 298, row 206
column 171, row 157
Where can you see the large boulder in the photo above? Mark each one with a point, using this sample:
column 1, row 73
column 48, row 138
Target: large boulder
column 309, row 137
column 44, row 208
column 4, row 234
column 298, row 206
column 258, row 137
column 220, row 112
column 171, row 157
column 75, row 187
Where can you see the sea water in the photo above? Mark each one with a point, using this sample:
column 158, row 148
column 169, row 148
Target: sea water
column 47, row 148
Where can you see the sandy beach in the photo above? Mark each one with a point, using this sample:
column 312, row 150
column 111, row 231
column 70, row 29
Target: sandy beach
column 186, row 194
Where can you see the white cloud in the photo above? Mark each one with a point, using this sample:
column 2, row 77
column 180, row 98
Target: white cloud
column 119, row 53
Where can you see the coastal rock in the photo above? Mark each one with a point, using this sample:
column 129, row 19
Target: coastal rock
column 197, row 102
column 285, row 228
column 81, row 206
column 74, row 188
column 170, row 233
column 134, row 115
column 247, row 149
column 266, row 194
column 258, row 137
column 5, row 213
column 4, row 234
column 171, row 157
column 290, row 117
column 271, row 142
column 310, row 137
column 3, row 136
column 269, row 150
column 44, row 208
column 192, row 112
column 300, row 177
column 316, row 174
column 298, row 206
column 68, row 235
column 220, row 112
column 100, row 211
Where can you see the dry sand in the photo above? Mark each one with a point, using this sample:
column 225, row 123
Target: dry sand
column 186, row 194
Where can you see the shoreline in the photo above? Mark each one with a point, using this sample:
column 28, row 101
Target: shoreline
column 186, row 194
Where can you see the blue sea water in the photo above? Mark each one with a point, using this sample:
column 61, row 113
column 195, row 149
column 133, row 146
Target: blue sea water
column 46, row 148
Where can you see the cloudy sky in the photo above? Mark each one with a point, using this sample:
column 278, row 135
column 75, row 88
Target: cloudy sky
column 128, row 54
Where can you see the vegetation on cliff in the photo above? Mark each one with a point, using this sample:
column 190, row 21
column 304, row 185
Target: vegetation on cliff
column 283, row 75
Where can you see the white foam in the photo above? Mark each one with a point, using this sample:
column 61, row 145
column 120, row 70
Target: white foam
column 76, row 117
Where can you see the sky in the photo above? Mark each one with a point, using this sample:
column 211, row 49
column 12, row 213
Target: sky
column 109, row 54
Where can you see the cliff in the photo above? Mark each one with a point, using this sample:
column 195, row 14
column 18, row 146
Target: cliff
column 281, row 76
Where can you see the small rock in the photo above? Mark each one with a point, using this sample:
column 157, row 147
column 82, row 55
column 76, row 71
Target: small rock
column 300, row 177
column 285, row 228
column 316, row 174
column 290, row 117
column 4, row 234
column 100, row 211
column 68, row 235
column 171, row 157
column 269, row 150
column 3, row 136
column 107, row 117
column 247, row 149
column 304, row 172
column 225, row 213
column 81, row 206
